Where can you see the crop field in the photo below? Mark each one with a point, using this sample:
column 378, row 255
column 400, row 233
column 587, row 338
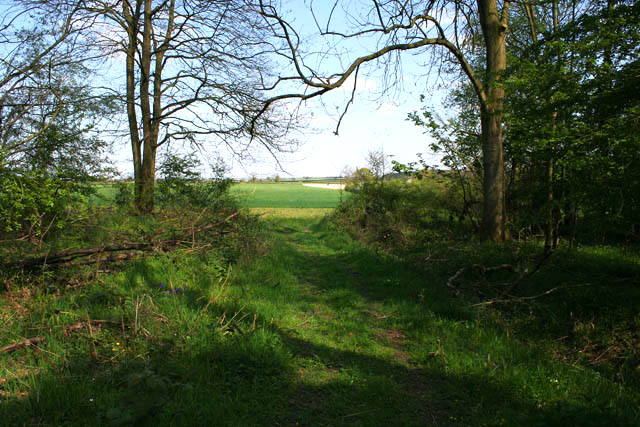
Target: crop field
column 286, row 195
column 282, row 195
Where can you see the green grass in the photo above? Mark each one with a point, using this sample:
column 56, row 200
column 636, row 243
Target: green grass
column 286, row 195
column 257, row 195
column 311, row 327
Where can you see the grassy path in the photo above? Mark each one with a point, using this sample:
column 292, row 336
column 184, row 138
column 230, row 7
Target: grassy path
column 329, row 299
column 373, row 341
column 311, row 328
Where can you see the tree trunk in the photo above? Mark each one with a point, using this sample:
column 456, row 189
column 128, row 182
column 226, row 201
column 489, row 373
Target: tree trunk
column 549, row 225
column 132, row 34
column 494, row 29
column 147, row 180
column 493, row 178
column 550, row 229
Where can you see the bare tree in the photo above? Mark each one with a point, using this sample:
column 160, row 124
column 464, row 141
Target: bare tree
column 393, row 27
column 183, row 70
column 194, row 70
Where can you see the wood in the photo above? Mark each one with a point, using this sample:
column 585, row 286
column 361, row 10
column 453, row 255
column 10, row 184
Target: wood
column 70, row 257
column 456, row 291
column 30, row 342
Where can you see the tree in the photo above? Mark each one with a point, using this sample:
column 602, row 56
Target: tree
column 399, row 26
column 49, row 149
column 193, row 71
column 38, row 61
column 571, row 109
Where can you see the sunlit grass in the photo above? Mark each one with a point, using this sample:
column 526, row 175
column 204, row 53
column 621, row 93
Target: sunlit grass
column 307, row 326
column 286, row 195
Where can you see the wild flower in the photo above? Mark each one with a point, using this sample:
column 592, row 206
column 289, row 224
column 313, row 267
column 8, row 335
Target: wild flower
column 178, row 291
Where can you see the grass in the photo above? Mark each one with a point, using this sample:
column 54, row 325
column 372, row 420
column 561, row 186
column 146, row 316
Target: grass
column 286, row 195
column 257, row 195
column 311, row 327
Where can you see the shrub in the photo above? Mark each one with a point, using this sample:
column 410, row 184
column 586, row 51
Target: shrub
column 124, row 194
column 181, row 184
column 392, row 213
column 32, row 202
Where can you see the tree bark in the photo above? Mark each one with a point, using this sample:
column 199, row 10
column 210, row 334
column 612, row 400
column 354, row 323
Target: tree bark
column 131, row 22
column 147, row 181
column 494, row 29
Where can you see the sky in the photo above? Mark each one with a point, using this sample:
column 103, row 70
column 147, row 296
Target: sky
column 369, row 125
column 373, row 122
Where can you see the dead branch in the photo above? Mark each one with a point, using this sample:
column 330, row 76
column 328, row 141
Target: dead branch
column 527, row 274
column 529, row 298
column 452, row 288
column 70, row 257
column 83, row 325
column 511, row 286
column 456, row 291
column 30, row 342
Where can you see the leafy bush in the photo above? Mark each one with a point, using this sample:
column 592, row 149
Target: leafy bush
column 32, row 202
column 392, row 213
column 181, row 183
column 124, row 194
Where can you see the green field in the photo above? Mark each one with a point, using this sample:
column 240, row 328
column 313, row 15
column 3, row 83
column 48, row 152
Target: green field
column 257, row 195
column 286, row 195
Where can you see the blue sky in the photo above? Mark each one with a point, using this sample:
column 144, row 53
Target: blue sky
column 376, row 120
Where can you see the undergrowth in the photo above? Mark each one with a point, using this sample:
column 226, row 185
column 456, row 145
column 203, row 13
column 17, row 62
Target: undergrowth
column 290, row 320
column 575, row 306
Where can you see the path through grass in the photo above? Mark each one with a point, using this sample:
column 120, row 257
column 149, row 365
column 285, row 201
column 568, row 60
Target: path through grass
column 373, row 341
column 316, row 329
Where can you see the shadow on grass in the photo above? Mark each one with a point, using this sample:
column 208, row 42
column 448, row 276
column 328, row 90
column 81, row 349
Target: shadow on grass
column 276, row 376
column 250, row 381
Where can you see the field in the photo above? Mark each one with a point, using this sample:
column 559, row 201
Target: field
column 294, row 322
column 286, row 195
column 258, row 195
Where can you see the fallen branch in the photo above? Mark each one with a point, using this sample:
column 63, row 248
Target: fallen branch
column 456, row 291
column 83, row 325
column 30, row 342
column 65, row 258
column 69, row 257
column 521, row 299
column 527, row 274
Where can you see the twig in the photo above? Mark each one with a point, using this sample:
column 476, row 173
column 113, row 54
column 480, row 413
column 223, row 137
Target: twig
column 452, row 279
column 526, row 274
column 30, row 342
column 520, row 299
column 82, row 325
column 355, row 414
column 93, row 340
column 483, row 269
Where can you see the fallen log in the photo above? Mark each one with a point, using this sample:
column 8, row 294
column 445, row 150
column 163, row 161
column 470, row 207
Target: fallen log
column 70, row 257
